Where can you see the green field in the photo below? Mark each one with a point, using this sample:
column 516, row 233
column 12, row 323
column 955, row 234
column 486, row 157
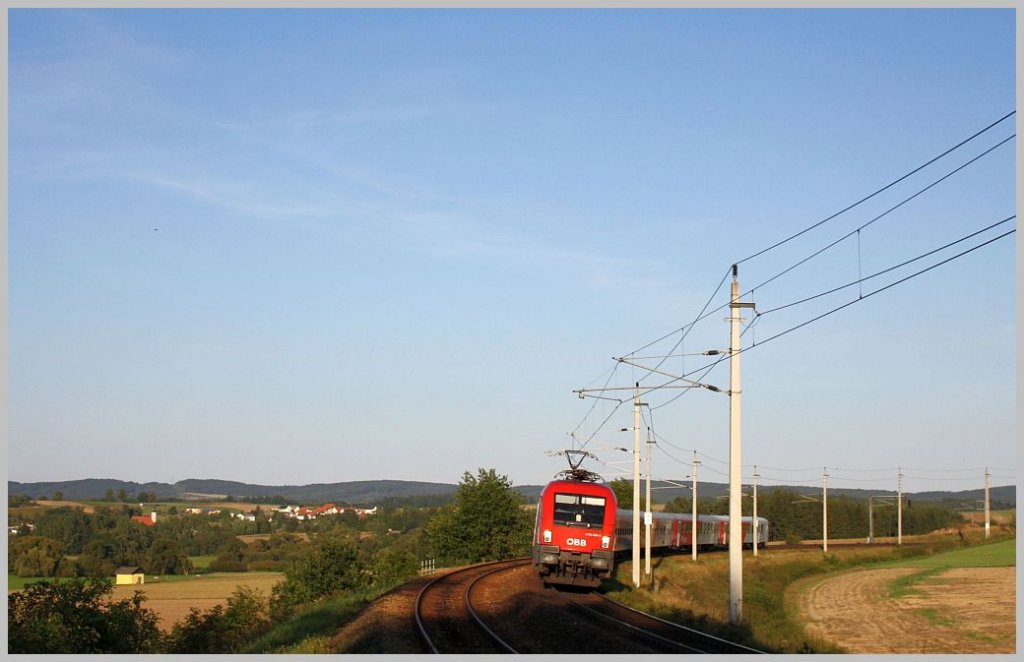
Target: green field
column 202, row 562
column 992, row 555
column 16, row 583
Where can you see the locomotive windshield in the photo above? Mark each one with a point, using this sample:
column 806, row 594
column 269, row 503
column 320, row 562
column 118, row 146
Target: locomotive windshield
column 579, row 510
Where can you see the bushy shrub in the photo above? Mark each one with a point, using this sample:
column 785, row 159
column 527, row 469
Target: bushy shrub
column 220, row 629
column 393, row 566
column 74, row 617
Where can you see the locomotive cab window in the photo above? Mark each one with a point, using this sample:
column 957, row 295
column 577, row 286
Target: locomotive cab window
column 579, row 510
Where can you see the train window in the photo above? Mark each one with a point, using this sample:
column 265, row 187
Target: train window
column 579, row 510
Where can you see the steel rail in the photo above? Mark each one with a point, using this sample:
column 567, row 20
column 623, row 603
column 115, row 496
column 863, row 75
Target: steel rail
column 431, row 584
column 731, row 644
column 479, row 621
column 646, row 633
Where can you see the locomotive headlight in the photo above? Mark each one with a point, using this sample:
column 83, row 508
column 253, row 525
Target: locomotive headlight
column 606, row 542
column 547, row 536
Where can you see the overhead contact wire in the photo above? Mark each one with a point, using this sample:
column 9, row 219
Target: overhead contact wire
column 881, row 190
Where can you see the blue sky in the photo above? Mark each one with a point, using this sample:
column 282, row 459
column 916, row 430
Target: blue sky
column 288, row 247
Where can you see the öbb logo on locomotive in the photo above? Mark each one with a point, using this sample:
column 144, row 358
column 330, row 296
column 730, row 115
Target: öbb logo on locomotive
column 580, row 530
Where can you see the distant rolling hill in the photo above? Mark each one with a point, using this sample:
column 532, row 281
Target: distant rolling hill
column 371, row 492
column 366, row 492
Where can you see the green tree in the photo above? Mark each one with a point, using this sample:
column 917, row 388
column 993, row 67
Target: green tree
column 71, row 527
column 484, row 522
column 330, row 566
column 623, row 492
column 122, row 496
column 165, row 557
column 623, row 489
column 109, row 494
column 73, row 617
column 680, row 504
column 58, row 496
column 99, row 557
column 34, row 556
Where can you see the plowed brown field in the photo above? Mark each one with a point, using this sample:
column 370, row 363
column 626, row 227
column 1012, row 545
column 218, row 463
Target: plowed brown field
column 962, row 610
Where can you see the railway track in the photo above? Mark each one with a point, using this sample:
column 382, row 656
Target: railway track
column 501, row 607
column 664, row 635
column 446, row 619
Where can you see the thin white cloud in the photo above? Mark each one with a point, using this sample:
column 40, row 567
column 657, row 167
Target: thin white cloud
column 238, row 197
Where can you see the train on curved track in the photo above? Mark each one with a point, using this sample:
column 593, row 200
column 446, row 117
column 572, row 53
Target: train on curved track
column 580, row 531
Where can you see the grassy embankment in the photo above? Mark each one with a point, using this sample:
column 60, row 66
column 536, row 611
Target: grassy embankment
column 310, row 630
column 696, row 594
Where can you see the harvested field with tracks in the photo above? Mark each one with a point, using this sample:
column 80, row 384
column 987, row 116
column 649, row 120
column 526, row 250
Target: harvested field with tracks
column 910, row 609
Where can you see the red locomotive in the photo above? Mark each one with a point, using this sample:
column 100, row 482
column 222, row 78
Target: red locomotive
column 579, row 530
column 574, row 538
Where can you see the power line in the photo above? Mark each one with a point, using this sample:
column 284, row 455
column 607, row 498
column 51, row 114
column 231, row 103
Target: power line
column 684, row 331
column 861, row 297
column 880, row 216
column 591, row 410
column 703, row 314
column 882, row 289
column 884, row 188
column 893, row 268
column 671, row 456
column 959, row 470
column 688, row 326
column 959, row 478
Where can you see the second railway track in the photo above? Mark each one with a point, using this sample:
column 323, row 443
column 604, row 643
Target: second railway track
column 503, row 608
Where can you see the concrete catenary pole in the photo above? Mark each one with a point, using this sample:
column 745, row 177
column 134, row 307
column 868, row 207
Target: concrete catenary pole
column 987, row 520
column 648, row 518
column 693, row 522
column 824, row 509
column 753, row 522
column 871, row 522
column 899, row 507
column 735, row 457
column 636, row 486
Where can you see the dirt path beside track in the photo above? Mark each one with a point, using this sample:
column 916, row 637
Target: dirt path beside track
column 963, row 610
